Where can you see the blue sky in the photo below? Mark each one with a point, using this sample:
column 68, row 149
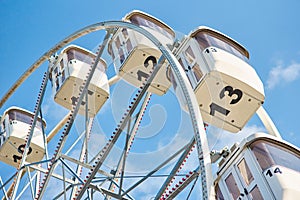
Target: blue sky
column 268, row 29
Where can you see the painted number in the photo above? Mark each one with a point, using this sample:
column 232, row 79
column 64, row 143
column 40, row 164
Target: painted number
column 276, row 171
column 238, row 93
column 212, row 50
column 236, row 96
column 140, row 73
column 75, row 99
column 21, row 151
column 215, row 107
column 150, row 58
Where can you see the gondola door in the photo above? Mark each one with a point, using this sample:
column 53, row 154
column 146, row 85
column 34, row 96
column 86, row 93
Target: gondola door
column 234, row 188
column 243, row 181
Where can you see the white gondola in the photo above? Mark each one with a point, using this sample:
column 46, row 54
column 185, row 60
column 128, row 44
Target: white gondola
column 227, row 88
column 260, row 167
column 134, row 55
column 15, row 125
column 72, row 67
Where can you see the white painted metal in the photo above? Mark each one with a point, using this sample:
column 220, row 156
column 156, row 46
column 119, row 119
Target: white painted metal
column 227, row 88
column 134, row 55
column 253, row 182
column 285, row 183
column 267, row 121
column 185, row 87
column 72, row 66
column 15, row 124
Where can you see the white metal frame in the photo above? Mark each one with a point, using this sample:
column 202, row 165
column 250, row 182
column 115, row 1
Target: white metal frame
column 200, row 135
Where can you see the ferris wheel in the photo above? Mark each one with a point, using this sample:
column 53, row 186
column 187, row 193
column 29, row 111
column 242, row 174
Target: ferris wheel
column 131, row 115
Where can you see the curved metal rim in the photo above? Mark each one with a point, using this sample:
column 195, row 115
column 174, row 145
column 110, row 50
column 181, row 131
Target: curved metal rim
column 197, row 122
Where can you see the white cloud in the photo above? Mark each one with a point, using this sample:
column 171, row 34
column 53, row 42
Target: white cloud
column 283, row 74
